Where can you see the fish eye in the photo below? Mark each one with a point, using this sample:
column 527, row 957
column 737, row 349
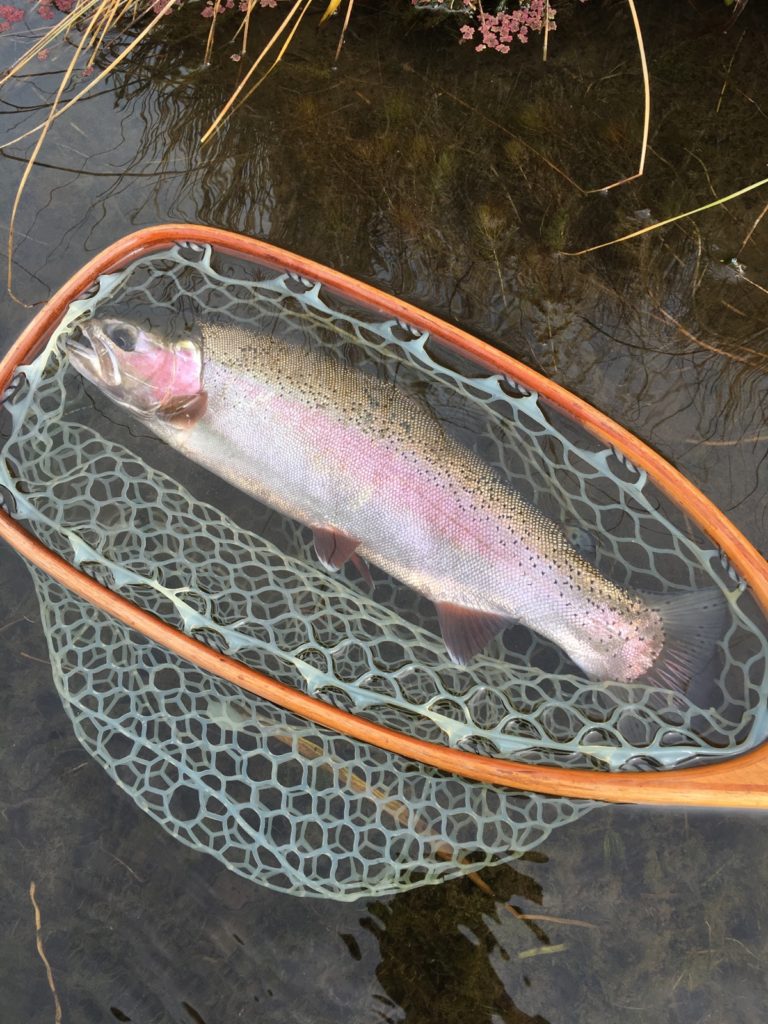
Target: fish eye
column 122, row 336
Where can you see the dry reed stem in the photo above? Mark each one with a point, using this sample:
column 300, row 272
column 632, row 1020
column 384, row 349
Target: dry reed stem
column 245, row 25
column 43, row 957
column 752, row 439
column 50, row 36
column 237, row 100
column 647, row 106
column 211, row 33
column 36, row 149
column 332, row 7
column 754, row 284
column 108, row 23
column 101, row 6
column 350, row 5
column 669, row 220
column 727, row 73
column 226, row 109
column 96, row 80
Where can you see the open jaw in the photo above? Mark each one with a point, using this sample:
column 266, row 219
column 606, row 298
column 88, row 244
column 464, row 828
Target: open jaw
column 92, row 357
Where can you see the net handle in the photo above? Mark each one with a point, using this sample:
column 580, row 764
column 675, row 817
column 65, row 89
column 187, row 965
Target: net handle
column 741, row 781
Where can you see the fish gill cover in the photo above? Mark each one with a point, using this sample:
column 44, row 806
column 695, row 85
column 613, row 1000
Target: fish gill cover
column 290, row 804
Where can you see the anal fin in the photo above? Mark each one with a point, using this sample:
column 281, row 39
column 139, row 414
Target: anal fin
column 466, row 631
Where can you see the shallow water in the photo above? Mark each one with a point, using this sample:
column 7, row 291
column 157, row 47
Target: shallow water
column 429, row 171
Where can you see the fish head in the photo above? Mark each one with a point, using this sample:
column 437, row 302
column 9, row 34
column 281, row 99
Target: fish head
column 137, row 368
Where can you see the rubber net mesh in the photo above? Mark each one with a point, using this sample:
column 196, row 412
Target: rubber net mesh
column 83, row 477
column 280, row 801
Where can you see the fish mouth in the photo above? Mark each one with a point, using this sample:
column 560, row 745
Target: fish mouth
column 92, row 357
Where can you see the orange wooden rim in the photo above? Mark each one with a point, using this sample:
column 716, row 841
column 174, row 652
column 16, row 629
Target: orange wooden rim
column 741, row 781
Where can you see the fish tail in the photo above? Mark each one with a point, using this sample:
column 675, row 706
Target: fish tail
column 693, row 623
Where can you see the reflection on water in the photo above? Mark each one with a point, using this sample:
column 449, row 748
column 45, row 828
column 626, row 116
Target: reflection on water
column 441, row 176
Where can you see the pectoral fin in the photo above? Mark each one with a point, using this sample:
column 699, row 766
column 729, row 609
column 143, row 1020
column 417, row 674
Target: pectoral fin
column 184, row 412
column 466, row 631
column 333, row 549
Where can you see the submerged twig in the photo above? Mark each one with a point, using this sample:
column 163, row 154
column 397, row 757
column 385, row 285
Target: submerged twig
column 752, row 439
column 538, row 950
column 548, row 917
column 752, row 230
column 757, row 361
column 43, row 957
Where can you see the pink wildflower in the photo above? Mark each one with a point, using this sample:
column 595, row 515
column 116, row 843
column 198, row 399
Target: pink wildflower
column 10, row 14
column 498, row 30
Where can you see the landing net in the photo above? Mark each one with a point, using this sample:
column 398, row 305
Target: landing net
column 85, row 479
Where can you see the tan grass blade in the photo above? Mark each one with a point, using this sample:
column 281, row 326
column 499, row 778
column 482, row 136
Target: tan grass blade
column 669, row 220
column 297, row 11
column 211, row 33
column 350, row 5
column 647, row 108
column 243, row 99
column 245, row 25
column 93, row 82
column 114, row 14
column 61, row 28
column 330, row 10
column 31, row 161
column 91, row 30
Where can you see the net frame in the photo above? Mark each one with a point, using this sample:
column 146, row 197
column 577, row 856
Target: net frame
column 740, row 781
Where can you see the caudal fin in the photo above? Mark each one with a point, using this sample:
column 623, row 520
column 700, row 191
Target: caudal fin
column 693, row 623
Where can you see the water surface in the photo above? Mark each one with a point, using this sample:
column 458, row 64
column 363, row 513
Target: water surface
column 450, row 179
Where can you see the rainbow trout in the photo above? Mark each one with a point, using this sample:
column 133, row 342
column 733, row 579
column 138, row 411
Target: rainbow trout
column 373, row 473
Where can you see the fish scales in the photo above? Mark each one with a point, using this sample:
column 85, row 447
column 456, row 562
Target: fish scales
column 335, row 447
column 361, row 461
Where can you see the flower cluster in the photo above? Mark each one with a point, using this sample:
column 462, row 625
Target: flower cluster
column 9, row 15
column 47, row 9
column 219, row 6
column 495, row 30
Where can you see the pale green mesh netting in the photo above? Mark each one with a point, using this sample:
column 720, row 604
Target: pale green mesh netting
column 280, row 801
column 245, row 580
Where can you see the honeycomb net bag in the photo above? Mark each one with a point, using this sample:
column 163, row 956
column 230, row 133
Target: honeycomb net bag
column 278, row 799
